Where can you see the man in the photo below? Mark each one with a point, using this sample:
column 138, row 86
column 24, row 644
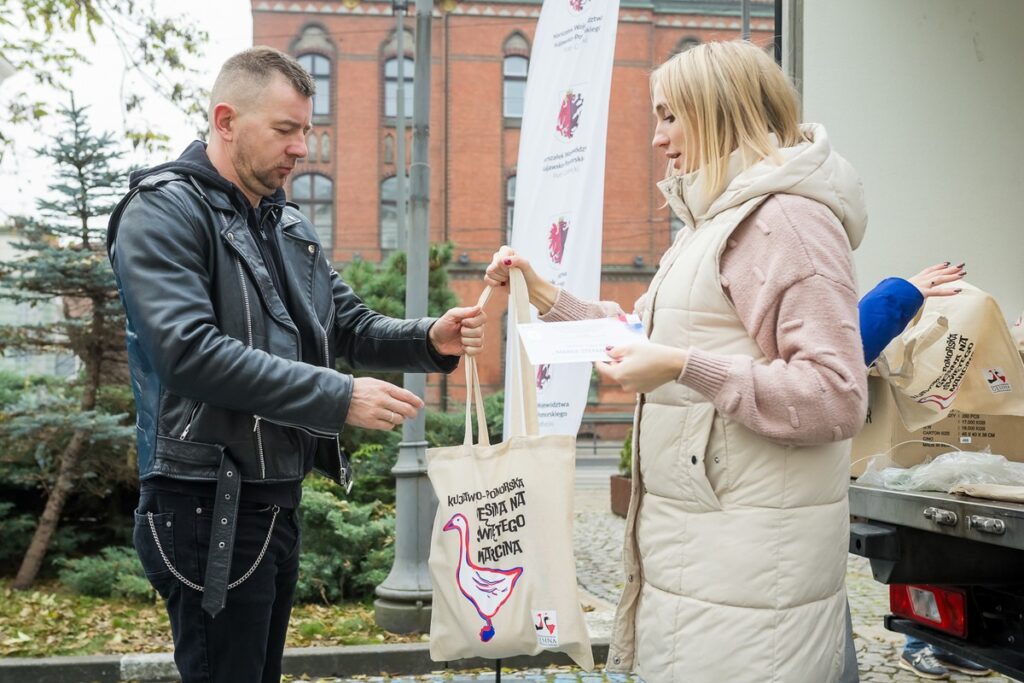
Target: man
column 235, row 318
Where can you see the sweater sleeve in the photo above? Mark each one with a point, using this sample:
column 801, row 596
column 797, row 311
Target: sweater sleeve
column 569, row 307
column 789, row 273
column 884, row 312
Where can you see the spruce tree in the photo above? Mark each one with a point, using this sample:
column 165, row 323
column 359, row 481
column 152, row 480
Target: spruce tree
column 62, row 255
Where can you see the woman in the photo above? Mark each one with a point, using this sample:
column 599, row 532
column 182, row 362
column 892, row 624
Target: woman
column 751, row 387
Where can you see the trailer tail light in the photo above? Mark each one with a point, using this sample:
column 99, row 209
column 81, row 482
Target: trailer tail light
column 944, row 609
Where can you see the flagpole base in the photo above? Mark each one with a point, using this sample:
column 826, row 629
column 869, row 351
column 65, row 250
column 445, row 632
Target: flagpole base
column 400, row 616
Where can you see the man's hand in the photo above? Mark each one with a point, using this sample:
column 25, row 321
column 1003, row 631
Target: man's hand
column 377, row 404
column 459, row 332
column 643, row 367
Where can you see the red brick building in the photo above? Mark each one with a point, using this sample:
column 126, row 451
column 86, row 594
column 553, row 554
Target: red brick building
column 480, row 60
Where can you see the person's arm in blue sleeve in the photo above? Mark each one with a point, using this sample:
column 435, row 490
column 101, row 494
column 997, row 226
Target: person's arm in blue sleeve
column 886, row 309
column 884, row 312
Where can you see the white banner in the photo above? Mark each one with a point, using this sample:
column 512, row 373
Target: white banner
column 559, row 203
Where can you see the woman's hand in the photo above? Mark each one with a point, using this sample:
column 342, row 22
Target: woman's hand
column 542, row 293
column 643, row 367
column 930, row 280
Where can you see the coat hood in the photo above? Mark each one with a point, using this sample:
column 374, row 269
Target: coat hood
column 809, row 169
column 195, row 162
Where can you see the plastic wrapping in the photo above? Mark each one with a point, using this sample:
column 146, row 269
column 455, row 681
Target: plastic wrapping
column 944, row 472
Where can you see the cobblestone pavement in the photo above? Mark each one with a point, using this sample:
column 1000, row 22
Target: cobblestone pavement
column 598, row 545
column 556, row 675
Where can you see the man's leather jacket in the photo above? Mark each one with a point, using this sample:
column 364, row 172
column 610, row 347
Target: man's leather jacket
column 219, row 362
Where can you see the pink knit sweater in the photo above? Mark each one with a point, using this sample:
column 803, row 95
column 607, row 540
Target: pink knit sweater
column 789, row 272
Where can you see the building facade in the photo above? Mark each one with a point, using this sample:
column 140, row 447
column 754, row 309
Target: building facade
column 480, row 61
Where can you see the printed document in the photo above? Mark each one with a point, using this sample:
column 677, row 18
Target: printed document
column 578, row 341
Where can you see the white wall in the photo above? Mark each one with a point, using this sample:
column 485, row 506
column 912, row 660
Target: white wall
column 926, row 99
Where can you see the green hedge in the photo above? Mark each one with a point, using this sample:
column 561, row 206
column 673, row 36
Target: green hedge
column 115, row 572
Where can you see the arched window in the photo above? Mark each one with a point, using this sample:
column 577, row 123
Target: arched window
column 389, row 149
column 325, row 148
column 389, row 213
column 319, row 67
column 510, row 205
column 391, row 86
column 312, row 147
column 314, row 193
column 515, row 71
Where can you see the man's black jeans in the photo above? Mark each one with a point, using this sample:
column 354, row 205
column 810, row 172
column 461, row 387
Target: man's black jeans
column 245, row 643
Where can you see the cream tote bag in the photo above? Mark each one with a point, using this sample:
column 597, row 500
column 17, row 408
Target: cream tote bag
column 501, row 556
column 957, row 354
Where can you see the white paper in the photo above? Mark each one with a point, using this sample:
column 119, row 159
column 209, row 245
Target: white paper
column 578, row 341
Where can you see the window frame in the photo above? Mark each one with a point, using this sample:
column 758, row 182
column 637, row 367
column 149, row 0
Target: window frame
column 510, row 205
column 308, row 205
column 321, row 80
column 508, row 79
column 391, row 83
column 393, row 203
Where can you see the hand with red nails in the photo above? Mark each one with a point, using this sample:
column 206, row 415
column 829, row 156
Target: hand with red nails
column 930, row 280
column 542, row 293
column 643, row 367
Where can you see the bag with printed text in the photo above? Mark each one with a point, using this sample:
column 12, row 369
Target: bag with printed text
column 501, row 557
column 956, row 354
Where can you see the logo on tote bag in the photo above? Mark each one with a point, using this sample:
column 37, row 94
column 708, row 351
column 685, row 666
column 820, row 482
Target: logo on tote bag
column 997, row 382
column 486, row 589
column 545, row 623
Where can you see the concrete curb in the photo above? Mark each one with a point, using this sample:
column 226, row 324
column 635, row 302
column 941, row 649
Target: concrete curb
column 355, row 660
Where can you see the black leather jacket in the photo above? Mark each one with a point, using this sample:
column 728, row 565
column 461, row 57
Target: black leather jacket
column 220, row 364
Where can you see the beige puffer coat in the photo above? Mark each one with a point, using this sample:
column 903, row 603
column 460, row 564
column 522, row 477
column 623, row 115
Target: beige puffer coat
column 735, row 549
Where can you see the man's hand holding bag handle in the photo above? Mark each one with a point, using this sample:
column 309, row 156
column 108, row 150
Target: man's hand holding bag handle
column 501, row 556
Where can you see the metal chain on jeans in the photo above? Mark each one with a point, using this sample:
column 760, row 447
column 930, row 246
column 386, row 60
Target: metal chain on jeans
column 196, row 586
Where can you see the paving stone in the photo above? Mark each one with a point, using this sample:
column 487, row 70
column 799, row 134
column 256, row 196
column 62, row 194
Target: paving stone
column 597, row 539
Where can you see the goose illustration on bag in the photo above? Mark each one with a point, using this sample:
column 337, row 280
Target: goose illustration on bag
column 487, row 589
column 513, row 498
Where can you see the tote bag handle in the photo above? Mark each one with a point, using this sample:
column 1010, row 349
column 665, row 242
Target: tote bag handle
column 523, row 401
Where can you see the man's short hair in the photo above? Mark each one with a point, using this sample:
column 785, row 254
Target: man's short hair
column 245, row 74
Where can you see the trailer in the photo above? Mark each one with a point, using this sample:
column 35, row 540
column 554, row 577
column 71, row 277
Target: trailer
column 954, row 566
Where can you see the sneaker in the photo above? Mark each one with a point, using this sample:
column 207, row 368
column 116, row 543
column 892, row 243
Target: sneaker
column 958, row 663
column 924, row 664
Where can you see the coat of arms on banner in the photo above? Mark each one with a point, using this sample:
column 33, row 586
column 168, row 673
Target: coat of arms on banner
column 578, row 5
column 486, row 589
column 556, row 239
column 543, row 375
column 569, row 114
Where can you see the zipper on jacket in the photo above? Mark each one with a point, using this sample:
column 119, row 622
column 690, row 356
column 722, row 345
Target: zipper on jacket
column 248, row 327
column 191, row 419
column 307, row 430
column 312, row 432
column 343, row 472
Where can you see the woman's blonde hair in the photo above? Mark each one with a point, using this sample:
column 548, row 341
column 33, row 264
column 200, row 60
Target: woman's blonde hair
column 729, row 96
